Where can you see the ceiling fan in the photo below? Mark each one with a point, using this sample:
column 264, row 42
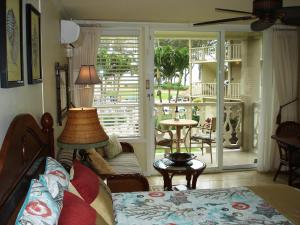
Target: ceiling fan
column 267, row 12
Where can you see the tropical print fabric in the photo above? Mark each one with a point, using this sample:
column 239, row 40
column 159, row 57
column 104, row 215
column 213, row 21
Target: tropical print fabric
column 55, row 187
column 195, row 207
column 39, row 207
column 55, row 168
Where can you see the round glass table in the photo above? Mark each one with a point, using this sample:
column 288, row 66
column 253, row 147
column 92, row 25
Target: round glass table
column 192, row 170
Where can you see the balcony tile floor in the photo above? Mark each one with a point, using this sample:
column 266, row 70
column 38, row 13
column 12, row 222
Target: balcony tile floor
column 231, row 157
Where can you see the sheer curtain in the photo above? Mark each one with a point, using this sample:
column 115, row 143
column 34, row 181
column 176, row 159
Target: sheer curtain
column 285, row 59
column 86, row 54
column 281, row 89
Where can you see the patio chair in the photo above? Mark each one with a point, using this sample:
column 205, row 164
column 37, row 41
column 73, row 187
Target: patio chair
column 205, row 134
column 163, row 138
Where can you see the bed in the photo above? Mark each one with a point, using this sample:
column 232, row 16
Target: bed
column 22, row 158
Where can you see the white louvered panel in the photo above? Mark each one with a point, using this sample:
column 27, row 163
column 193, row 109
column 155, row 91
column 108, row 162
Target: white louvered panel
column 117, row 98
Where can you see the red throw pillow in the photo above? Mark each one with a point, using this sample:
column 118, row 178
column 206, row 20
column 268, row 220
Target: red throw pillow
column 88, row 186
column 85, row 181
column 75, row 211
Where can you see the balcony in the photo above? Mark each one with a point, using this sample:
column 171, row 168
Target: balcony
column 209, row 90
column 233, row 52
column 233, row 117
column 239, row 142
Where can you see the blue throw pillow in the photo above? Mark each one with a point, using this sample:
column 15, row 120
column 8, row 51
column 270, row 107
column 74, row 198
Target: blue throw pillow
column 55, row 168
column 55, row 187
column 39, row 207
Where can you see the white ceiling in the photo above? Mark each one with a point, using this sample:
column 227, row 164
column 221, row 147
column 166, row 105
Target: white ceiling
column 176, row 11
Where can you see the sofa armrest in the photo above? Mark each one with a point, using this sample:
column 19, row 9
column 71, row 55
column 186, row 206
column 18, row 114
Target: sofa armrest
column 127, row 183
column 126, row 147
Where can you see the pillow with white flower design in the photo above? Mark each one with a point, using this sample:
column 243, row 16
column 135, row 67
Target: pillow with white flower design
column 39, row 207
column 55, row 188
column 55, row 168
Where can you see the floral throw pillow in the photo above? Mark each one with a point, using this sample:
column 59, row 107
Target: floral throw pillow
column 39, row 207
column 55, row 168
column 55, row 187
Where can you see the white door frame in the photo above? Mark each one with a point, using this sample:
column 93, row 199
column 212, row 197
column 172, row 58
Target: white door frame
column 149, row 35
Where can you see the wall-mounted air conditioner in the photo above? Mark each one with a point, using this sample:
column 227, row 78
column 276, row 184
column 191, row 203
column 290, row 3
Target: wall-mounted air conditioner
column 70, row 33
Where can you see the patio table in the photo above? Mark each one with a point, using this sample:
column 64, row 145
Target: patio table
column 178, row 124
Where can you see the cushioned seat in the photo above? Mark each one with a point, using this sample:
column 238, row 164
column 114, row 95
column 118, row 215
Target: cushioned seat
column 125, row 163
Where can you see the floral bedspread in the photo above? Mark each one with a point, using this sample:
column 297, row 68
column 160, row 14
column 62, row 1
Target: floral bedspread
column 207, row 207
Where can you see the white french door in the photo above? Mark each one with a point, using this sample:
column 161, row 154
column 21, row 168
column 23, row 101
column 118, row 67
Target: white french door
column 218, row 62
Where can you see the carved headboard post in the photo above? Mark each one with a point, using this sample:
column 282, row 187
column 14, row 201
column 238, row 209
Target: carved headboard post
column 47, row 124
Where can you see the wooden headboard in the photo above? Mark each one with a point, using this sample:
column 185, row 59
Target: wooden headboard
column 22, row 157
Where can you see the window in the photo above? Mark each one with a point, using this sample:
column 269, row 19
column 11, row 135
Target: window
column 117, row 98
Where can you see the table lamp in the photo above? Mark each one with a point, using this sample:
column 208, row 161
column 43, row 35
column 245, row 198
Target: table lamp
column 82, row 131
column 87, row 76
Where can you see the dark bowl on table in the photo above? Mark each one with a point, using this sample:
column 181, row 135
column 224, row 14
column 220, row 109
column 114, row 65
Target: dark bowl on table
column 180, row 158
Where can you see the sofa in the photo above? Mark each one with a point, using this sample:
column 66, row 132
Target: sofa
column 124, row 168
column 126, row 175
column 126, row 162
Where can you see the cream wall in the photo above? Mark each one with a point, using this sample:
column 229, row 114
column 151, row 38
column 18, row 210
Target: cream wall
column 208, row 72
column 25, row 99
column 38, row 98
column 52, row 51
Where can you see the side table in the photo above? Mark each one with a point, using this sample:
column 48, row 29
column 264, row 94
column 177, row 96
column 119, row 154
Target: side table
column 192, row 170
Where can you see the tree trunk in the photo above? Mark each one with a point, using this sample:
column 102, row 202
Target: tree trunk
column 159, row 85
column 169, row 90
column 179, row 82
column 118, row 87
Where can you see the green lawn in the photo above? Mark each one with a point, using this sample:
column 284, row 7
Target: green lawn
column 164, row 95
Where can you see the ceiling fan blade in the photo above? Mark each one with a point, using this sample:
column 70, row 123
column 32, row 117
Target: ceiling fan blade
column 225, row 20
column 290, row 15
column 234, row 11
column 262, row 24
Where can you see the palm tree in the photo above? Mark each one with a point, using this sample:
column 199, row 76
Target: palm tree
column 181, row 64
column 157, row 63
column 168, row 68
column 113, row 65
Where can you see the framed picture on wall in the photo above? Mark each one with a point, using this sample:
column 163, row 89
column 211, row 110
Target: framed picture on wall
column 11, row 54
column 33, row 34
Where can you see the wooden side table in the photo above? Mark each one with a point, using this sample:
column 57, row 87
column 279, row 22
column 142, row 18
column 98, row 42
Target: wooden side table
column 168, row 169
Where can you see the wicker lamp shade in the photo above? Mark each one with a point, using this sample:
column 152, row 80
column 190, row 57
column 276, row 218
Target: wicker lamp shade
column 83, row 129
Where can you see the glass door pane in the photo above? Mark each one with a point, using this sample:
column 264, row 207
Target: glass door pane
column 185, row 87
column 242, row 94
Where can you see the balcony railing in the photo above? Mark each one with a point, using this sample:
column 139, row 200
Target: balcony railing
column 202, row 54
column 231, row 90
column 233, row 117
column 233, row 52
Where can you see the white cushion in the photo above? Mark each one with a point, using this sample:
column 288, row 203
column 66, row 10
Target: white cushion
column 125, row 163
column 113, row 148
